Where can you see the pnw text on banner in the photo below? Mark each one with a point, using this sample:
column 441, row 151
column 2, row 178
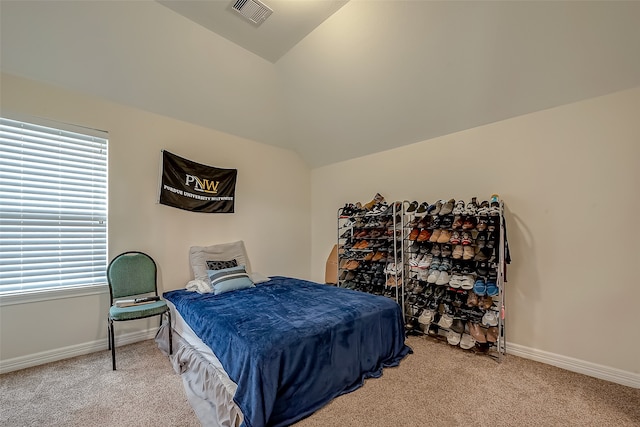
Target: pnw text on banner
column 191, row 186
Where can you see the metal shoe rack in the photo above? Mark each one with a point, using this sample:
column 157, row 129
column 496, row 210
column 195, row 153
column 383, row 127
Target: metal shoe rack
column 452, row 259
column 370, row 251
column 413, row 256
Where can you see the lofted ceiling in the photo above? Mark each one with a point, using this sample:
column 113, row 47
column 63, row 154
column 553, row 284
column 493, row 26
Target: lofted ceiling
column 289, row 23
column 331, row 80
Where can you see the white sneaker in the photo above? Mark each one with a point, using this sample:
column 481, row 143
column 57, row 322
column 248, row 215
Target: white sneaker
column 425, row 262
column 490, row 318
column 467, row 341
column 443, row 278
column 426, row 317
column 433, row 276
column 453, row 338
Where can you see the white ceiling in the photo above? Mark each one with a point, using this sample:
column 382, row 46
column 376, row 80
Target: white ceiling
column 359, row 78
column 289, row 23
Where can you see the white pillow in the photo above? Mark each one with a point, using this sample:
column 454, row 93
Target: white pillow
column 199, row 255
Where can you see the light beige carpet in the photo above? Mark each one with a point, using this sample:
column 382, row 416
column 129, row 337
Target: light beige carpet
column 436, row 386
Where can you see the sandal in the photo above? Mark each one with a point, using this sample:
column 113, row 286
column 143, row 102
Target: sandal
column 480, row 287
column 492, row 288
column 457, row 252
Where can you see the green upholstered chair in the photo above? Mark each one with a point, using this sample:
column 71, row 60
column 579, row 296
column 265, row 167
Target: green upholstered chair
column 133, row 275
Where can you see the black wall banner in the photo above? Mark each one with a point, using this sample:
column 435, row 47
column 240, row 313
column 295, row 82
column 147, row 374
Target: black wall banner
column 194, row 187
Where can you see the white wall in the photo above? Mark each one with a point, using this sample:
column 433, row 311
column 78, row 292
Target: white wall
column 569, row 177
column 272, row 210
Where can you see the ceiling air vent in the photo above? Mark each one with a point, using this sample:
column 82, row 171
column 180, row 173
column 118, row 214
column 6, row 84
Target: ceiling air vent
column 254, row 10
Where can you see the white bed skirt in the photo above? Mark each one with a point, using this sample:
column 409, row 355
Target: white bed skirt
column 208, row 388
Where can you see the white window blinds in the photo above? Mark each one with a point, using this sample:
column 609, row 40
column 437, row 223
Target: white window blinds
column 53, row 207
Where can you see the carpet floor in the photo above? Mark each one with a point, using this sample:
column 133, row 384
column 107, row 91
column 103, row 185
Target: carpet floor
column 437, row 385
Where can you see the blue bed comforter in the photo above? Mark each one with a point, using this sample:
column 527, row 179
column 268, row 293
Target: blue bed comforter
column 292, row 345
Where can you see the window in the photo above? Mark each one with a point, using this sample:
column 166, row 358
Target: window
column 53, row 207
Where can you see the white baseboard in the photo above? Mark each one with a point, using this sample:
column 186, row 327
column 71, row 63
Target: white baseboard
column 36, row 359
column 606, row 373
column 602, row 372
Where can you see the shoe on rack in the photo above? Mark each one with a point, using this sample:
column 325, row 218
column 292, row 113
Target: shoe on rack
column 421, row 210
column 465, row 238
column 379, row 208
column 490, row 318
column 483, row 208
column 425, row 262
column 424, row 235
column 482, row 224
column 414, row 234
column 446, row 321
column 492, row 334
column 457, row 222
column 458, row 209
column 458, row 251
column 447, row 207
column 485, row 303
column 445, row 264
column 378, row 198
column 445, row 250
column 455, row 281
column 444, row 236
column 469, row 223
column 446, row 221
column 453, row 337
column 477, row 332
column 472, row 299
column 433, row 275
column 426, row 317
column 443, row 278
column 483, row 254
column 492, row 288
column 472, row 207
column 467, row 282
column 412, row 207
column 434, row 209
column 435, row 236
column 352, row 264
column 455, row 238
column 467, row 341
column 480, row 287
column 468, row 253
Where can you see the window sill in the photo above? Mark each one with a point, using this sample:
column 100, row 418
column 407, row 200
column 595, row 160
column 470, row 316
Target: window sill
column 51, row 294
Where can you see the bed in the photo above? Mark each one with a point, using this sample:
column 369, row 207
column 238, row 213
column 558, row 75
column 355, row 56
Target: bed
column 273, row 353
